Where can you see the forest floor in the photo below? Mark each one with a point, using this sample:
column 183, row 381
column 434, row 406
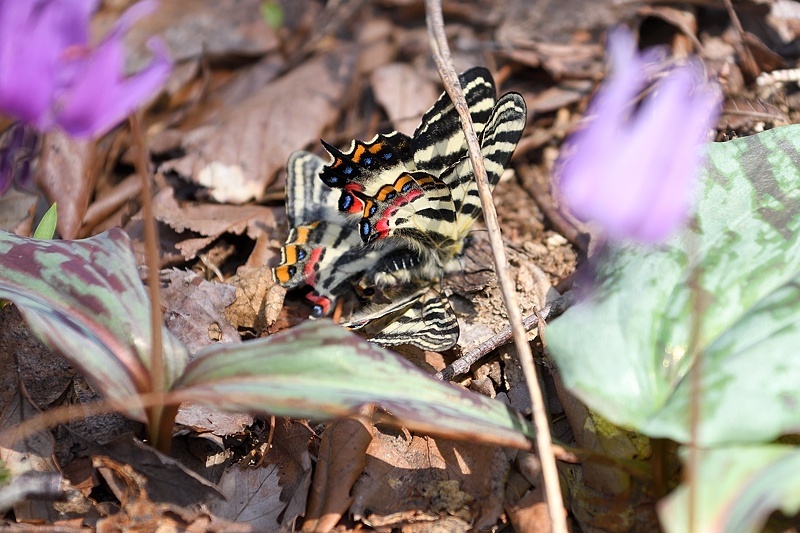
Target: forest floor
column 244, row 95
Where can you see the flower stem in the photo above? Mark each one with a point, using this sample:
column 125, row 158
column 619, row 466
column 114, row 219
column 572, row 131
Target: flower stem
column 158, row 417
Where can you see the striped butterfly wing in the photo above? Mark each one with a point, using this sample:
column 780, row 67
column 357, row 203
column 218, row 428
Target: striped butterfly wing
column 439, row 213
column 499, row 139
column 439, row 140
column 323, row 250
column 423, row 319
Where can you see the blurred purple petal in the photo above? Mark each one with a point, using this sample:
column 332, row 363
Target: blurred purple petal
column 632, row 170
column 101, row 98
column 49, row 75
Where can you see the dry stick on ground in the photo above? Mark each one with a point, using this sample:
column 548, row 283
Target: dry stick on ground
column 441, row 54
column 463, row 363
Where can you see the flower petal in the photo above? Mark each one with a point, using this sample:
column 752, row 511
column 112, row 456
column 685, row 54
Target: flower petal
column 100, row 98
column 632, row 170
column 33, row 36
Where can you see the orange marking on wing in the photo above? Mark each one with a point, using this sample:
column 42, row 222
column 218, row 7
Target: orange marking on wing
column 376, row 148
column 367, row 208
column 289, row 254
column 303, row 232
column 282, row 274
column 358, row 153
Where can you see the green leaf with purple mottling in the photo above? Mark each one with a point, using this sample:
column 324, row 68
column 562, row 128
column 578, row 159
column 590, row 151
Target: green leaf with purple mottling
column 623, row 350
column 319, row 370
column 85, row 301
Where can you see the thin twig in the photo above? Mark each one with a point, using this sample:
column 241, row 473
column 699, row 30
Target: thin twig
column 441, row 54
column 748, row 61
column 463, row 363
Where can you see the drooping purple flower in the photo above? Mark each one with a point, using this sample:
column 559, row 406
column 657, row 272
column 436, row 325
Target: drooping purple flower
column 632, row 169
column 51, row 76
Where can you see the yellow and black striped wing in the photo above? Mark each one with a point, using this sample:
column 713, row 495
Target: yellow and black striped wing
column 439, row 212
column 424, row 319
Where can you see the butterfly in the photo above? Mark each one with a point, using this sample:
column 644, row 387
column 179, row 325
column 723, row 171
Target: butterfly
column 382, row 222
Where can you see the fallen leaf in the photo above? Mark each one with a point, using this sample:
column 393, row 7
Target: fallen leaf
column 194, row 28
column 164, row 479
column 65, row 175
column 203, row 419
column 266, row 497
column 258, row 300
column 430, row 479
column 23, row 455
column 207, row 222
column 342, row 458
column 239, row 156
column 404, row 94
column 193, row 309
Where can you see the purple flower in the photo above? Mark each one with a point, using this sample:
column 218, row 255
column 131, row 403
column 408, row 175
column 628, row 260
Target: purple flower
column 50, row 76
column 632, row 169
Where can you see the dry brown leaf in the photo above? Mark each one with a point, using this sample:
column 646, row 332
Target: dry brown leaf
column 238, row 157
column 203, row 419
column 429, row 480
column 342, row 458
column 29, row 454
column 266, row 497
column 65, row 175
column 530, row 515
column 138, row 512
column 193, row 309
column 165, row 480
column 252, row 497
column 193, row 28
column 16, row 211
column 45, row 375
column 198, row 225
column 258, row 299
column 404, row 94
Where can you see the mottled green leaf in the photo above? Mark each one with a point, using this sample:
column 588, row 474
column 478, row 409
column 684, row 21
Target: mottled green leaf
column 47, row 226
column 85, row 301
column 623, row 350
column 318, row 370
column 738, row 489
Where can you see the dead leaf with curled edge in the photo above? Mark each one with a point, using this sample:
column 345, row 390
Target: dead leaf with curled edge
column 258, row 299
column 203, row 223
column 237, row 157
column 65, row 174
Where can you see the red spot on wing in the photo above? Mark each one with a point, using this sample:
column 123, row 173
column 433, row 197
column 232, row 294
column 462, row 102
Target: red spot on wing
column 311, row 270
column 323, row 301
column 381, row 226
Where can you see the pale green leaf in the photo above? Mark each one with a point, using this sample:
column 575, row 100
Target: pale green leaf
column 623, row 351
column 47, row 226
column 738, row 489
column 319, row 370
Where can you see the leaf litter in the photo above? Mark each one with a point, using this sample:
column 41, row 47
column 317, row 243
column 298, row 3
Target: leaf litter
column 243, row 96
